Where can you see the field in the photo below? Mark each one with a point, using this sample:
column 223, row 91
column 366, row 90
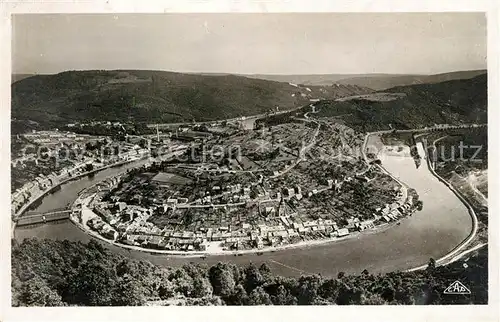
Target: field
column 170, row 178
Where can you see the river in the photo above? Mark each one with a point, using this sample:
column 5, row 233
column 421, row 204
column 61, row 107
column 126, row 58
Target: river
column 442, row 224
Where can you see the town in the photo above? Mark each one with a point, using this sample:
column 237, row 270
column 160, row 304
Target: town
column 219, row 188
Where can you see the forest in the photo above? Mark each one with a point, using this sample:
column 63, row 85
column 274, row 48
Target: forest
column 65, row 273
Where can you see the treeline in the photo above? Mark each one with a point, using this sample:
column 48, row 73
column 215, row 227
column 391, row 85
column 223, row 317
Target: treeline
column 64, row 273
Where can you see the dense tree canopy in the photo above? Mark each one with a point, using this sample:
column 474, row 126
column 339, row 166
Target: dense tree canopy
column 58, row 273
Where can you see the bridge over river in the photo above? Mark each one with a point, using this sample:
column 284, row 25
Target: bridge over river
column 32, row 218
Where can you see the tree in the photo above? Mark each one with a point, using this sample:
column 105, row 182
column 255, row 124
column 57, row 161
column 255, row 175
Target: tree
column 349, row 296
column 253, row 278
column 308, row 289
column 89, row 167
column 91, row 285
column 283, row 297
column 432, row 265
column 222, row 280
column 36, row 292
column 329, row 289
column 259, row 297
column 129, row 292
column 201, row 287
column 373, row 299
column 388, row 293
column 238, row 297
column 266, row 272
column 183, row 282
column 166, row 289
column 124, row 267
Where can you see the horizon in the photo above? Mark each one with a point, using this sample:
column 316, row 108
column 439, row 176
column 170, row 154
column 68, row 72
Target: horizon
column 257, row 74
column 251, row 44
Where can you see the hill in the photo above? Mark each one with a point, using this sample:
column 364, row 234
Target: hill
column 380, row 82
column 414, row 106
column 18, row 77
column 156, row 96
column 312, row 79
column 374, row 81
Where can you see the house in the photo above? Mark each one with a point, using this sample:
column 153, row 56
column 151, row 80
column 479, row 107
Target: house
column 281, row 233
column 155, row 241
column 202, row 247
column 177, row 235
column 259, row 243
column 367, row 224
column 121, row 206
column 108, row 232
column 216, row 236
column 289, row 192
column 343, row 232
column 129, row 240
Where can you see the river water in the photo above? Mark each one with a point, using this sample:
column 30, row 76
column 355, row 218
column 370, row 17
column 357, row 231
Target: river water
column 442, row 224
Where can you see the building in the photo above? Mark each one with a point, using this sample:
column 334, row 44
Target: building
column 289, row 192
column 343, row 232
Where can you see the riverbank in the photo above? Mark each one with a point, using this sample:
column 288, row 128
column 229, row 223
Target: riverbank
column 43, row 194
column 217, row 251
column 471, row 211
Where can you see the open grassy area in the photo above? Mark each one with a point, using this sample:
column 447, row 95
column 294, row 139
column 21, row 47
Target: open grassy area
column 170, row 178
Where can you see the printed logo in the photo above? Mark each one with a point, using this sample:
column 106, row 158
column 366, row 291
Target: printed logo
column 457, row 288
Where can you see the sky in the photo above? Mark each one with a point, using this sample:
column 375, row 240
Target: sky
column 302, row 43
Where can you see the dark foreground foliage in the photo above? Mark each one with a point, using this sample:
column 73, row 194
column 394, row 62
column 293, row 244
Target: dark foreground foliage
column 61, row 273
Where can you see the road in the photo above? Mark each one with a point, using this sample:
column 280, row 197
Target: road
column 234, row 119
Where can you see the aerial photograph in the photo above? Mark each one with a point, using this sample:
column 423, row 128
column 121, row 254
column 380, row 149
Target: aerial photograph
column 205, row 159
